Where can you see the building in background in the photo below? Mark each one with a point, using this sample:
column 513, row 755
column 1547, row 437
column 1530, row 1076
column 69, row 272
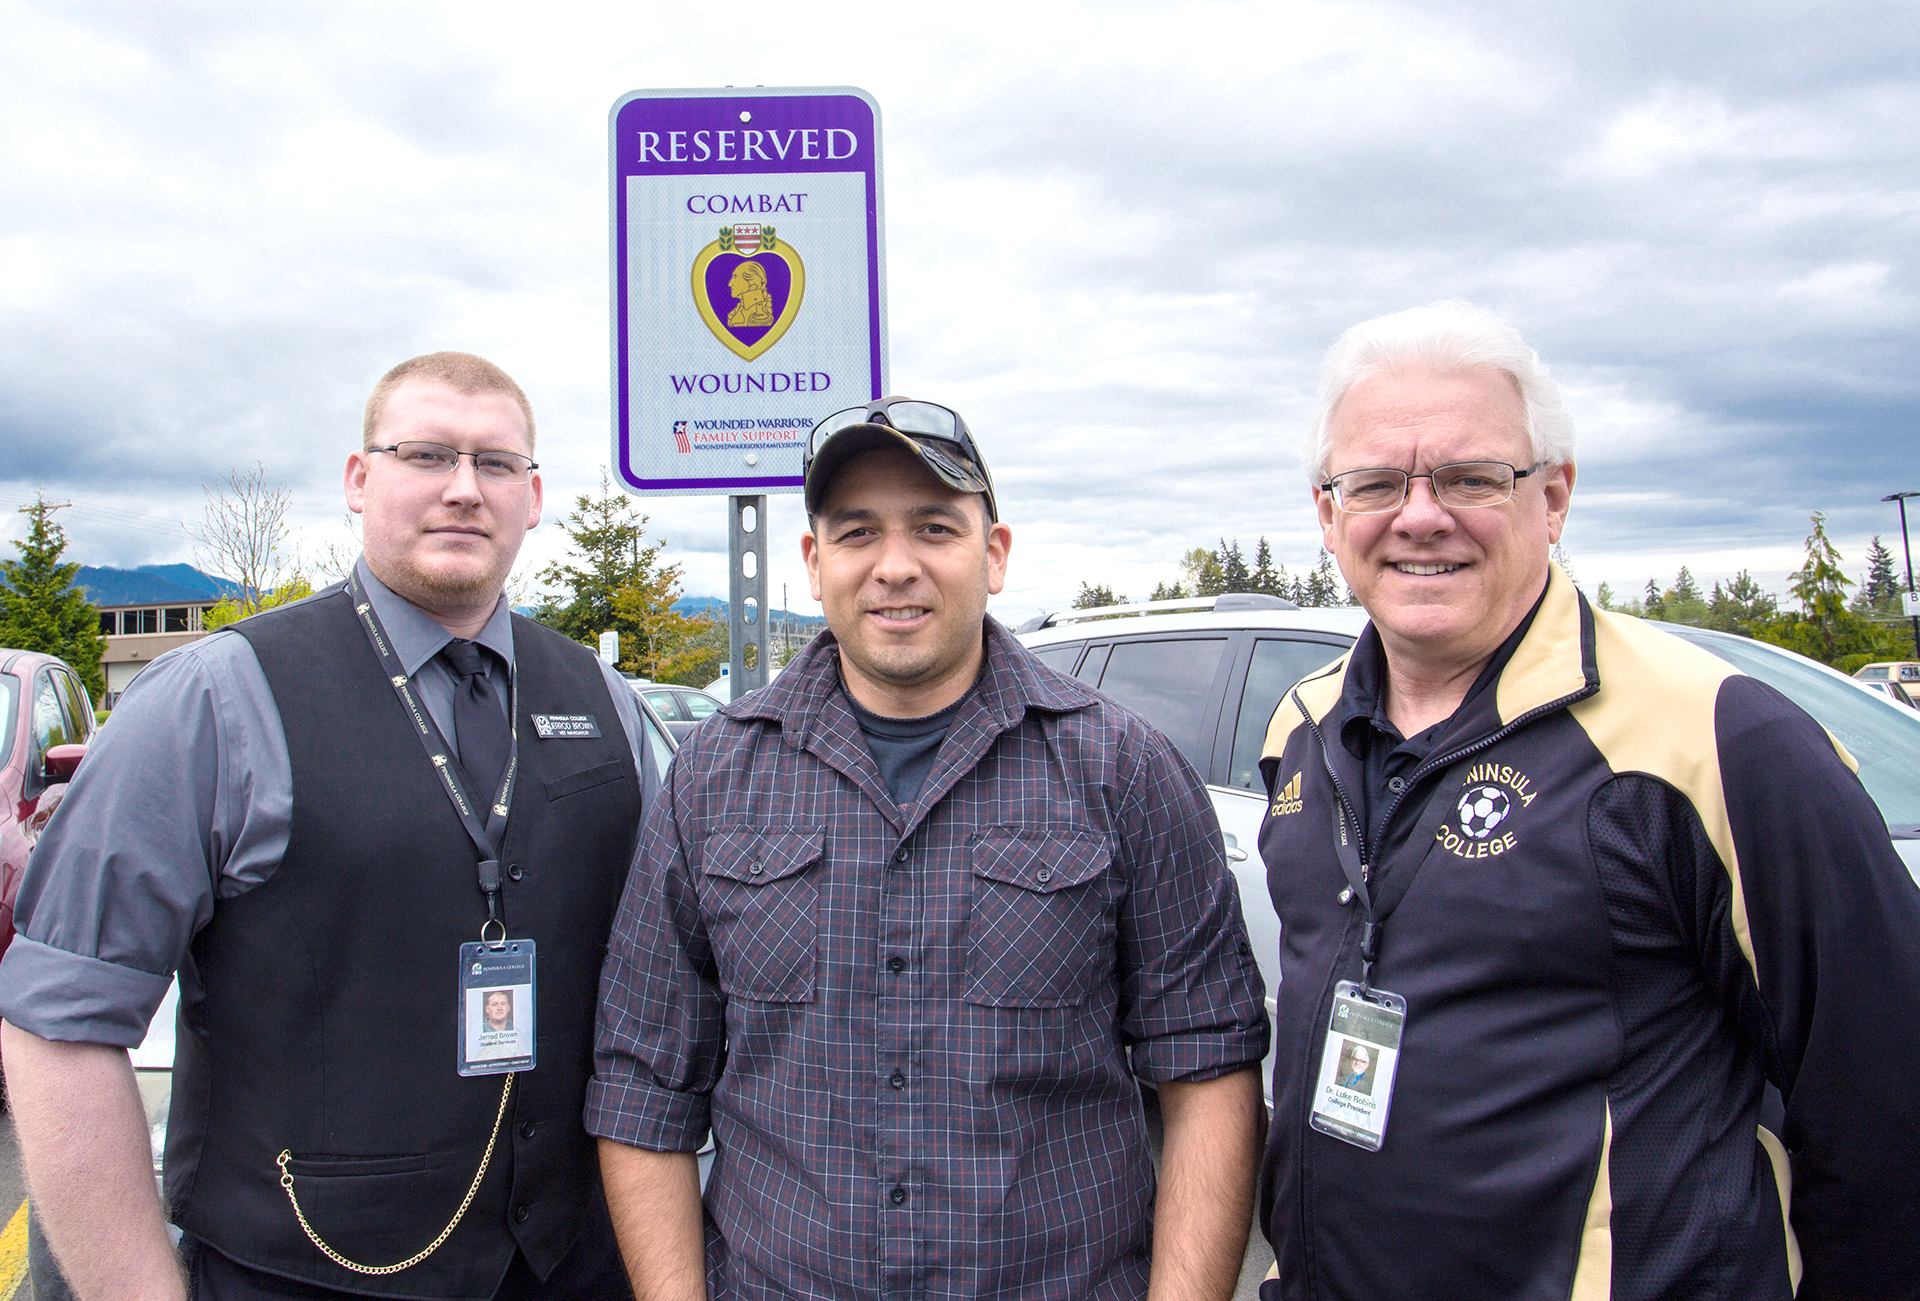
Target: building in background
column 146, row 612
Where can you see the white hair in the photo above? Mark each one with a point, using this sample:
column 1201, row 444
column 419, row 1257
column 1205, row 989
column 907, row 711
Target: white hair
column 1451, row 335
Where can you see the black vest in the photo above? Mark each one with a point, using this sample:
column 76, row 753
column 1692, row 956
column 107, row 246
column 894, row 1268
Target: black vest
column 318, row 1009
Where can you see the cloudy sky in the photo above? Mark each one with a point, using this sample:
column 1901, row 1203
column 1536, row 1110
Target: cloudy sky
column 1120, row 235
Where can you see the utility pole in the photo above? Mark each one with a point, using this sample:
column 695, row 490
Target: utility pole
column 1913, row 611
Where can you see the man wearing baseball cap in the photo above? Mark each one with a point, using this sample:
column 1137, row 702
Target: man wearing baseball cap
column 906, row 929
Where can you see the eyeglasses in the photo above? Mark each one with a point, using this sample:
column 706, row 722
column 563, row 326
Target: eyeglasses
column 1463, row 485
column 437, row 458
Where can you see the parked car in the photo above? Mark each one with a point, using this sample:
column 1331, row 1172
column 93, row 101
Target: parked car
column 1904, row 672
column 1210, row 671
column 1891, row 690
column 46, row 721
column 680, row 708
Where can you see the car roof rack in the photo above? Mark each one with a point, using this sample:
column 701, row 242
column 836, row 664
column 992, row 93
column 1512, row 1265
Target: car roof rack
column 1225, row 602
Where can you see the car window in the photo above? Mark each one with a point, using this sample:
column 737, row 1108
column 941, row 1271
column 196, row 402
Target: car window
column 1882, row 736
column 1874, row 673
column 1166, row 680
column 49, row 722
column 9, row 704
column 659, row 741
column 698, row 706
column 79, row 708
column 662, row 702
column 1062, row 658
column 1277, row 664
column 1090, row 668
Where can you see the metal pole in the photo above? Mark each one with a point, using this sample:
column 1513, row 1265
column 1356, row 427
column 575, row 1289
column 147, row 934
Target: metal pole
column 747, row 593
column 1907, row 548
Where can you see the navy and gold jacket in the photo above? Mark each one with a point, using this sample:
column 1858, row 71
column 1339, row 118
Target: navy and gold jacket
column 1657, row 888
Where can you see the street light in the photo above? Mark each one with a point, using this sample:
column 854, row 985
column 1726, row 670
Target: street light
column 1913, row 611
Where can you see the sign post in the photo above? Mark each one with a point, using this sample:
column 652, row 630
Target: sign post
column 749, row 299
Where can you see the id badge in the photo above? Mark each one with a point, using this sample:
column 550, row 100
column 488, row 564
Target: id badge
column 1355, row 1088
column 496, row 1008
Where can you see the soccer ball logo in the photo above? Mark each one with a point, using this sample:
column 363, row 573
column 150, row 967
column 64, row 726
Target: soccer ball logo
column 1482, row 809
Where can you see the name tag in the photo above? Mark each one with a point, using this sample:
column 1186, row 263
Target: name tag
column 565, row 727
column 1355, row 1088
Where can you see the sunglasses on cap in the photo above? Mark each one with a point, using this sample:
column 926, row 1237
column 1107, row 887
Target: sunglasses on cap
column 929, row 428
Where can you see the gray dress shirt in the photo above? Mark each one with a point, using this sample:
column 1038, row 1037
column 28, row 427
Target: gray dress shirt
column 186, row 795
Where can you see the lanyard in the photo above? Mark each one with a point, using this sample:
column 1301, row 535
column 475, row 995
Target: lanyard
column 486, row 837
column 1376, row 905
column 1349, row 842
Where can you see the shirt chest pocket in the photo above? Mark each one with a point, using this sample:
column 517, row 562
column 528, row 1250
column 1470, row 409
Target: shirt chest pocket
column 1040, row 918
column 760, row 895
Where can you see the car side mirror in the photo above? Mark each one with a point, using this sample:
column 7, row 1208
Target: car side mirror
column 62, row 760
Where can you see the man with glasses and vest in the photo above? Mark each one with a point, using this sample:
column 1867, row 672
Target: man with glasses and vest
column 345, row 822
column 907, row 929
column 1580, row 891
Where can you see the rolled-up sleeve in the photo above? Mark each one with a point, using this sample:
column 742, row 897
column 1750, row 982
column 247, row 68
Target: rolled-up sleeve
column 1192, row 1003
column 660, row 1043
column 185, row 793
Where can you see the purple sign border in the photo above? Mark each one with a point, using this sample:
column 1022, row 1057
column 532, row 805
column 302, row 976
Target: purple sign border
column 706, row 109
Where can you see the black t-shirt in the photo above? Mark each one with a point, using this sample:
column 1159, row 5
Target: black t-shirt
column 904, row 748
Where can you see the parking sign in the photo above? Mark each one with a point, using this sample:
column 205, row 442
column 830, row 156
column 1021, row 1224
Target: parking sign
column 749, row 294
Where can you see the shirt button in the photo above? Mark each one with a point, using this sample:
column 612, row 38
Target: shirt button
column 756, row 869
column 899, row 1195
column 513, row 872
column 898, row 1080
column 1396, row 784
column 1043, row 876
column 527, row 1128
column 522, row 1213
column 902, row 854
column 896, row 963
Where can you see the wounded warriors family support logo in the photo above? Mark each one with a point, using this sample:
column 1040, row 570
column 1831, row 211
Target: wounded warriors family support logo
column 748, row 285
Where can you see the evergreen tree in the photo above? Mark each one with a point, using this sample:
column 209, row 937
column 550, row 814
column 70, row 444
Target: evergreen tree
column 1825, row 629
column 1605, row 597
column 1740, row 606
column 1321, row 588
column 1234, row 574
column 41, row 609
column 1264, row 579
column 607, row 535
column 1684, row 588
column 1094, row 595
column 1880, row 594
column 1168, row 592
column 1651, row 603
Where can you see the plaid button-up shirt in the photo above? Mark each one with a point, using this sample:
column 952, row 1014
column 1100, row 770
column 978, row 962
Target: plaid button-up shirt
column 910, row 1028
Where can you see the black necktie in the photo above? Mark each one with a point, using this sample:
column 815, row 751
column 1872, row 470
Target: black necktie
column 479, row 717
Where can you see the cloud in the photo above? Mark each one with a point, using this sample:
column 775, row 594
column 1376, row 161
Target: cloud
column 1119, row 241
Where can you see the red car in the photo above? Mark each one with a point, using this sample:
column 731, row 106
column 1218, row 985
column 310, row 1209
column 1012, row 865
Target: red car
column 46, row 721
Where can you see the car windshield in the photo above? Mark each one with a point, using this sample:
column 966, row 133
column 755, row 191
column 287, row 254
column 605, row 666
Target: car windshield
column 1883, row 737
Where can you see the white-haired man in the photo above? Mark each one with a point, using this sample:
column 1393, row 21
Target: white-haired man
column 1583, row 892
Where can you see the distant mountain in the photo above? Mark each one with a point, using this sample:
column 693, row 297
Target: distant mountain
column 151, row 585
column 714, row 607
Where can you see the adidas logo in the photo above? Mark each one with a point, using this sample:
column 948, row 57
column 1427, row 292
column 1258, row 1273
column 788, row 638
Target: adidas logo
column 1287, row 798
